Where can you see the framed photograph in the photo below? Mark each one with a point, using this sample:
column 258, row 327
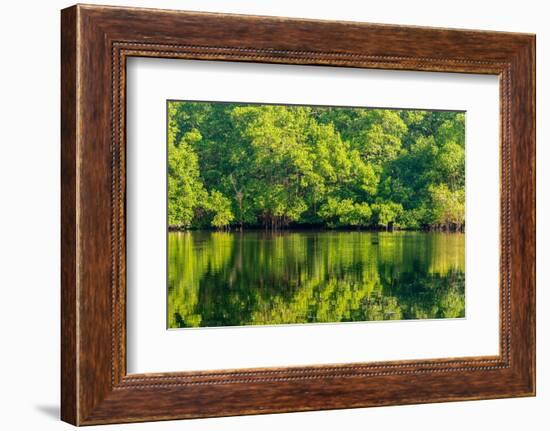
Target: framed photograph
column 265, row 215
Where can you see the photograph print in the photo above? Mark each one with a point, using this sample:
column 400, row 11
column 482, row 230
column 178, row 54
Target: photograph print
column 290, row 214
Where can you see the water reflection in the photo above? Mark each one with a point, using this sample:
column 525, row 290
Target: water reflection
column 264, row 278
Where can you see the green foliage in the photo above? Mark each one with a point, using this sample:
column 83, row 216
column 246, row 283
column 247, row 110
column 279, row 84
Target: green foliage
column 447, row 207
column 345, row 213
column 185, row 189
column 387, row 214
column 239, row 165
column 220, row 208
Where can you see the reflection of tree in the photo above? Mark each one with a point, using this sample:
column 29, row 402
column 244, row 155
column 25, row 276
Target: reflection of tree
column 224, row 279
column 189, row 260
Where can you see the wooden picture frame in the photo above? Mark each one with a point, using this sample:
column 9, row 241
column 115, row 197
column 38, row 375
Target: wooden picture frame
column 95, row 43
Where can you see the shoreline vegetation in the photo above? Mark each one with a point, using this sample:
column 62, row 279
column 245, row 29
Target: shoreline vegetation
column 319, row 228
column 234, row 167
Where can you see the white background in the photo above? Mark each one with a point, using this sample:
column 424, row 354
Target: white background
column 151, row 348
column 29, row 215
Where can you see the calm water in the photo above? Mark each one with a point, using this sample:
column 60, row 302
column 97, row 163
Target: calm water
column 264, row 278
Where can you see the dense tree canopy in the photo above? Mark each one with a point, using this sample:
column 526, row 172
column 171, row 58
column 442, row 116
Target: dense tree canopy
column 242, row 165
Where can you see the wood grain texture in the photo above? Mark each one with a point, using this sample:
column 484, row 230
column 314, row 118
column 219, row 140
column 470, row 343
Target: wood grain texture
column 69, row 366
column 96, row 41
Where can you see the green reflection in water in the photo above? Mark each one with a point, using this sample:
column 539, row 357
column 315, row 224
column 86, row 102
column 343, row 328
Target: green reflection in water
column 265, row 278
